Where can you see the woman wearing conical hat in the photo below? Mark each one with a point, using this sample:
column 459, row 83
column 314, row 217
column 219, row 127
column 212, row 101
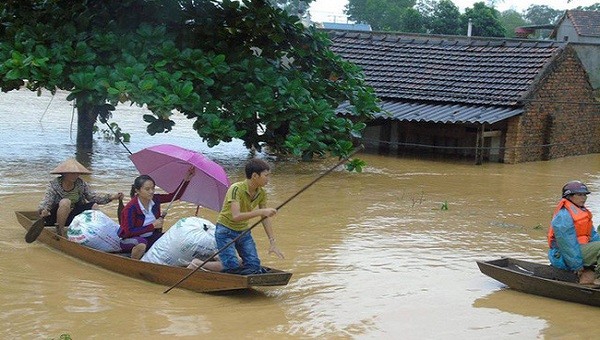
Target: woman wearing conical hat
column 68, row 195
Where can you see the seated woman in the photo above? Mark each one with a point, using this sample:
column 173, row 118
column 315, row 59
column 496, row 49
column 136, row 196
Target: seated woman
column 141, row 220
column 68, row 195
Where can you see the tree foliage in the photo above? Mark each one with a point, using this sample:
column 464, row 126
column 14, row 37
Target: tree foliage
column 443, row 16
column 510, row 20
column 385, row 15
column 440, row 17
column 485, row 21
column 242, row 70
column 293, row 7
column 593, row 7
column 542, row 15
column 432, row 16
column 411, row 21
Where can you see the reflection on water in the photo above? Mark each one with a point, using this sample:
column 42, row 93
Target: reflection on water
column 561, row 318
column 373, row 254
column 86, row 297
column 185, row 325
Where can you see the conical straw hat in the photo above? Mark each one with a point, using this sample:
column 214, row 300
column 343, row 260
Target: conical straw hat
column 70, row 166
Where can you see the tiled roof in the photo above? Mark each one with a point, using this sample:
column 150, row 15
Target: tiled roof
column 442, row 113
column 446, row 69
column 587, row 23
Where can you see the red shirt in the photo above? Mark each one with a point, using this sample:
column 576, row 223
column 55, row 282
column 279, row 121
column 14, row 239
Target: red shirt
column 132, row 216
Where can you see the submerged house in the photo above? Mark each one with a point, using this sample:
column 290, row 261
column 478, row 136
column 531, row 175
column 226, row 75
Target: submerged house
column 491, row 99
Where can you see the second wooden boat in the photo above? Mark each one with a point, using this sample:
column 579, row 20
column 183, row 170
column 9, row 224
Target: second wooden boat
column 540, row 279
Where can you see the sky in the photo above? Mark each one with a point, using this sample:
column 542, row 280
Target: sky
column 333, row 10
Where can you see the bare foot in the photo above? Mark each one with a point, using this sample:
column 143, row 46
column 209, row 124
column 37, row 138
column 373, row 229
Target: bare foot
column 195, row 264
column 587, row 277
column 138, row 251
column 210, row 266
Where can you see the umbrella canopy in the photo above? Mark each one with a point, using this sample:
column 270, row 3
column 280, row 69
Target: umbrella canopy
column 168, row 165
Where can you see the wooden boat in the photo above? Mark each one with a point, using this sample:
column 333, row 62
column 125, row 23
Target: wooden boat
column 540, row 279
column 200, row 281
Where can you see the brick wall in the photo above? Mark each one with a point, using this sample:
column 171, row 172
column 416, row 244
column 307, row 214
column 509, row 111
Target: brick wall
column 556, row 117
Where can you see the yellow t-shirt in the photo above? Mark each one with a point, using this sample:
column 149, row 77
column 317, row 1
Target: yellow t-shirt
column 238, row 192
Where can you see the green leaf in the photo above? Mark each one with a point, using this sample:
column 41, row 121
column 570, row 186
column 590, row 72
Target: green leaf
column 13, row 74
column 113, row 91
column 149, row 118
column 148, row 84
column 72, row 96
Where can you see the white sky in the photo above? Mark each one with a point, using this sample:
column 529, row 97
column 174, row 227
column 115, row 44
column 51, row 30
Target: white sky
column 333, row 10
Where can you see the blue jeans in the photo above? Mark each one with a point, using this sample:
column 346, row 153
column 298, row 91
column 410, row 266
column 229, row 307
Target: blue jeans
column 245, row 247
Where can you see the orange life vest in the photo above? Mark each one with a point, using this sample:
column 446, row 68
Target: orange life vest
column 582, row 218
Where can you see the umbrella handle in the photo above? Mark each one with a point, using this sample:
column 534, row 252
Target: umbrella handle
column 359, row 148
column 163, row 215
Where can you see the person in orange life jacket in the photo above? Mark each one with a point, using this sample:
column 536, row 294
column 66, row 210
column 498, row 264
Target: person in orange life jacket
column 141, row 219
column 574, row 242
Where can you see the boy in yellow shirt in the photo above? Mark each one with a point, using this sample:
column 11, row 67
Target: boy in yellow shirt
column 240, row 205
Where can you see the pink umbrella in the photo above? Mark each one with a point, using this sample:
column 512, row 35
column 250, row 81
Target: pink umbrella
column 168, row 165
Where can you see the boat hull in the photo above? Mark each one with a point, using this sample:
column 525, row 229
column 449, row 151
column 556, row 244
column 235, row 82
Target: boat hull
column 540, row 279
column 200, row 281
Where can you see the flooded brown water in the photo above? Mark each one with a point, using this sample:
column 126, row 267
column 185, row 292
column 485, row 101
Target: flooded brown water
column 373, row 254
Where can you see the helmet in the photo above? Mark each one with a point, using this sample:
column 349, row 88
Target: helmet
column 574, row 187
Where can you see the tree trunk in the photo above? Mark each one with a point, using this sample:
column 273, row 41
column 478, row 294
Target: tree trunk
column 86, row 117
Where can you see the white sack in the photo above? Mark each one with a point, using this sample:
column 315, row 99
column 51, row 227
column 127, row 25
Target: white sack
column 94, row 229
column 189, row 238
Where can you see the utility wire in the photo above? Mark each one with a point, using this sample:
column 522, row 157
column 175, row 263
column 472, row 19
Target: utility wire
column 429, row 146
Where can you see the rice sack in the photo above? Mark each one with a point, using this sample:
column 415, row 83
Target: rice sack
column 189, row 238
column 94, row 229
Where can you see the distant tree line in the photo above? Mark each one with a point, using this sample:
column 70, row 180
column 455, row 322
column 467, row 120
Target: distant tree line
column 444, row 17
column 440, row 16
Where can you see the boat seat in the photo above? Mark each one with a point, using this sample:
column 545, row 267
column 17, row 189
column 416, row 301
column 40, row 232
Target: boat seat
column 554, row 274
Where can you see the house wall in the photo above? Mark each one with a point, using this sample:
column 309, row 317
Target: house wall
column 455, row 140
column 556, row 116
column 566, row 31
column 588, row 50
column 588, row 54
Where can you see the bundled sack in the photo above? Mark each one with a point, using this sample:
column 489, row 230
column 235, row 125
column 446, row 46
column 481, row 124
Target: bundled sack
column 94, row 229
column 189, row 238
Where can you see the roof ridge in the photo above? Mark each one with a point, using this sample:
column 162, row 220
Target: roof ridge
column 428, row 39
